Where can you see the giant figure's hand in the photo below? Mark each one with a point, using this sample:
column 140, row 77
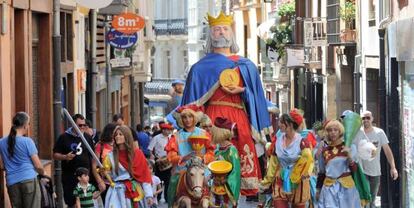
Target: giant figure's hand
column 233, row 89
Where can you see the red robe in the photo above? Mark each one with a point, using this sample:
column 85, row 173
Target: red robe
column 249, row 163
column 140, row 169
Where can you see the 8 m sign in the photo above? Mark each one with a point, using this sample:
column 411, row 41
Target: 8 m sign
column 128, row 23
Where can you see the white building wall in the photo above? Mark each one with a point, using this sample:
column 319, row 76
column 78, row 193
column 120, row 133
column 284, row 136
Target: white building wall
column 197, row 12
column 177, row 60
column 175, row 44
column 369, row 45
column 369, row 40
column 239, row 30
column 252, row 41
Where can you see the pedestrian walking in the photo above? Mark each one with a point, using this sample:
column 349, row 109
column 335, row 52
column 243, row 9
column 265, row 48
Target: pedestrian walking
column 159, row 155
column 156, row 184
column 372, row 167
column 176, row 96
column 85, row 193
column 128, row 168
column 93, row 133
column 337, row 164
column 143, row 140
column 118, row 119
column 19, row 158
column 70, row 149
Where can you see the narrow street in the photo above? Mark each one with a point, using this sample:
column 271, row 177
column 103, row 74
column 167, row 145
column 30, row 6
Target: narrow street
column 243, row 204
column 309, row 99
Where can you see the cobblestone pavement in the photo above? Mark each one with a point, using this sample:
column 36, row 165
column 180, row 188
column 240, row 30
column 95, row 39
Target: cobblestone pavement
column 242, row 201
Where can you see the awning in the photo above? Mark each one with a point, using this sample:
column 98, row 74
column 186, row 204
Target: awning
column 156, row 97
column 158, row 87
column 157, row 104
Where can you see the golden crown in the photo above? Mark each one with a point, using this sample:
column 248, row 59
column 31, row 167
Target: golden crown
column 221, row 19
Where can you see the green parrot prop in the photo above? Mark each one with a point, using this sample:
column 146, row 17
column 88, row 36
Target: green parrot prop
column 352, row 123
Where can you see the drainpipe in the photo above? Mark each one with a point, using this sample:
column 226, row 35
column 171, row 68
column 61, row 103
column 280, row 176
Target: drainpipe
column 141, row 102
column 132, row 98
column 357, row 84
column 57, row 103
column 91, row 112
column 386, row 196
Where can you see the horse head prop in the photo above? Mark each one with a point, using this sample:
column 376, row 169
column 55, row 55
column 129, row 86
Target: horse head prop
column 192, row 188
column 194, row 177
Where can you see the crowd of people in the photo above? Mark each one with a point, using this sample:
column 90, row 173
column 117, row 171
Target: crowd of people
column 220, row 120
column 302, row 168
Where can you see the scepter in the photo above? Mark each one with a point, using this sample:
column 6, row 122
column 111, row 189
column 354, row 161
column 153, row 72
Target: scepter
column 72, row 122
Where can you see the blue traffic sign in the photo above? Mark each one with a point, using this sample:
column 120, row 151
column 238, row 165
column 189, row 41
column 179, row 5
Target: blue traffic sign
column 121, row 40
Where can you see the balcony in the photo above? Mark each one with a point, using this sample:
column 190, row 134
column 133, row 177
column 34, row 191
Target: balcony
column 116, row 7
column 171, row 27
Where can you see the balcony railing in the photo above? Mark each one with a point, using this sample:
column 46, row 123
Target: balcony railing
column 116, row 7
column 171, row 27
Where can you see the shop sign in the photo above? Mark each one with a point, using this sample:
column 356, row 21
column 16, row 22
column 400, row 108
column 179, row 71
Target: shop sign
column 295, row 57
column 128, row 23
column 121, row 40
column 120, row 62
column 81, row 77
column 94, row 4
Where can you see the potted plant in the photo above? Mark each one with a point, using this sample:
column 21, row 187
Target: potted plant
column 347, row 14
column 282, row 31
column 282, row 36
column 286, row 11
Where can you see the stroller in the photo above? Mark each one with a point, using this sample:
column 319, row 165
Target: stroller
column 47, row 192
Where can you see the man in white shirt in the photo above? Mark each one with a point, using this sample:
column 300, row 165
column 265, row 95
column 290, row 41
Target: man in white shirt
column 158, row 153
column 372, row 168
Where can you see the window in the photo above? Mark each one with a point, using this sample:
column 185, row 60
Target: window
column 168, row 63
column 185, row 58
column 384, row 9
column 332, row 21
column 66, row 33
column 80, row 27
column 371, row 12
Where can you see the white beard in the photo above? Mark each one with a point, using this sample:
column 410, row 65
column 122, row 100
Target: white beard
column 221, row 42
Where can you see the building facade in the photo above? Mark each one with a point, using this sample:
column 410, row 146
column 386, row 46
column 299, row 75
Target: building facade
column 26, row 72
column 169, row 55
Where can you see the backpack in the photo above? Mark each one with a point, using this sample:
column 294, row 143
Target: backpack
column 47, row 192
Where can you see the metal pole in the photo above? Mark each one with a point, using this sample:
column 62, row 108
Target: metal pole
column 309, row 101
column 91, row 112
column 132, row 98
column 108, row 76
column 57, row 104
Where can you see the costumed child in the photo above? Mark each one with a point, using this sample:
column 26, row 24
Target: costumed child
column 338, row 163
column 226, row 186
column 290, row 165
column 85, row 193
column 180, row 151
column 156, row 183
column 129, row 171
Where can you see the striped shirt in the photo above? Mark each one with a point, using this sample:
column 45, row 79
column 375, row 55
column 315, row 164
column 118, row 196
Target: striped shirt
column 85, row 195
